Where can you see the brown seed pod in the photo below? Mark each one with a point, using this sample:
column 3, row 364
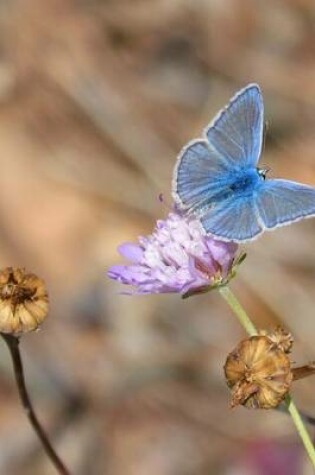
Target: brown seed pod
column 258, row 372
column 23, row 301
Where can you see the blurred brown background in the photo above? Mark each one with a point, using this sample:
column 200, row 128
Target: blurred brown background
column 96, row 100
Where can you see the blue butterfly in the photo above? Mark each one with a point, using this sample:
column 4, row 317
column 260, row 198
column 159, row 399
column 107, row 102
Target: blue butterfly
column 216, row 177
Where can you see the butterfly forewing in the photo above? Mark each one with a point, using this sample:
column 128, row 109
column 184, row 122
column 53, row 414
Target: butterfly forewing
column 199, row 174
column 237, row 131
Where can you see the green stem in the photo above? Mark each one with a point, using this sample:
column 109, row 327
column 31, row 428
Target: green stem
column 250, row 328
column 236, row 307
column 300, row 427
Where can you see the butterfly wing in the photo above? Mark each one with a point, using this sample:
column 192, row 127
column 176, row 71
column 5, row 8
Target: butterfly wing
column 198, row 176
column 235, row 219
column 232, row 142
column 237, row 131
column 282, row 202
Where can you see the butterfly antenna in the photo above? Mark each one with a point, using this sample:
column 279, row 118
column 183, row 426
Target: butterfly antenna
column 266, row 129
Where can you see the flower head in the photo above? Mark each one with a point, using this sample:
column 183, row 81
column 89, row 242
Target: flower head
column 258, row 370
column 176, row 257
column 23, row 301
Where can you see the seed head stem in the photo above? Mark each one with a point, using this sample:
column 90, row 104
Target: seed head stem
column 13, row 345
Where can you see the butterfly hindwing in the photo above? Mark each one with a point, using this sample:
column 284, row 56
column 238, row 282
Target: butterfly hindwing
column 233, row 219
column 281, row 202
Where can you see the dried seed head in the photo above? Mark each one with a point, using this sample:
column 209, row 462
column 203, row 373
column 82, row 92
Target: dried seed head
column 258, row 372
column 23, row 301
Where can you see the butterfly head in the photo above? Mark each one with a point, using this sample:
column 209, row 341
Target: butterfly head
column 262, row 172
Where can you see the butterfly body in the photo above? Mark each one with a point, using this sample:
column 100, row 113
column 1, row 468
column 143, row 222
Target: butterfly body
column 246, row 182
column 217, row 177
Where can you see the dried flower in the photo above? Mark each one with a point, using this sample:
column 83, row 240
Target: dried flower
column 177, row 257
column 23, row 301
column 259, row 372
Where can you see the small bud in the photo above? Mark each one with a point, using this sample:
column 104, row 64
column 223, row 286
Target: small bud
column 281, row 338
column 258, row 371
column 23, row 301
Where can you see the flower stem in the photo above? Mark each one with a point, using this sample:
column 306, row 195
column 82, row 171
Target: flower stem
column 236, row 307
column 13, row 345
column 250, row 328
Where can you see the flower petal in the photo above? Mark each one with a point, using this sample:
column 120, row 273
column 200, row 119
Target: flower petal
column 131, row 251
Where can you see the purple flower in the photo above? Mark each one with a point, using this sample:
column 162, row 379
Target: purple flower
column 177, row 257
